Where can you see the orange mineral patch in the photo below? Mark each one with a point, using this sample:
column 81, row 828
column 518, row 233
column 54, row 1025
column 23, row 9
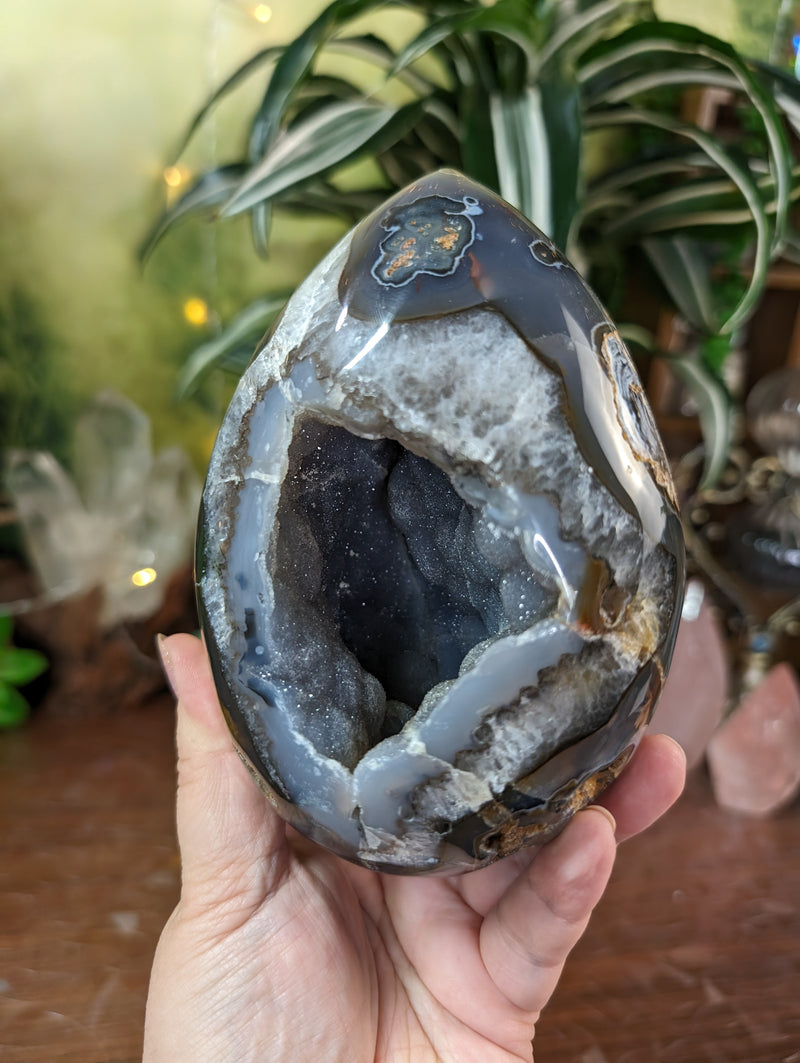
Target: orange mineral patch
column 400, row 262
column 448, row 239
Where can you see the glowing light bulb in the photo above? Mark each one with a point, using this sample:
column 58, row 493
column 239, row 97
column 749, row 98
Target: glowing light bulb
column 144, row 577
column 196, row 311
column 261, row 13
column 175, row 176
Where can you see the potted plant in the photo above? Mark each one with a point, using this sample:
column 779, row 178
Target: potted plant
column 572, row 111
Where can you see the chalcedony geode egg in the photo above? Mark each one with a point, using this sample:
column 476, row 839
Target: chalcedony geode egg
column 439, row 564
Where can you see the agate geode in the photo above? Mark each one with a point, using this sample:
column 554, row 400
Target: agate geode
column 439, row 564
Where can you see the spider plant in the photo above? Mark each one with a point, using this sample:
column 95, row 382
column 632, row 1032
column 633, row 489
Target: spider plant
column 571, row 110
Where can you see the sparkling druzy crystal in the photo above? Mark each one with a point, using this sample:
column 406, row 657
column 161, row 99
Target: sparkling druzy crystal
column 440, row 565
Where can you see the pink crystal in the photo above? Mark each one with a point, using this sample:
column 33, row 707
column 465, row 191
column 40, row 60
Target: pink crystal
column 696, row 689
column 754, row 757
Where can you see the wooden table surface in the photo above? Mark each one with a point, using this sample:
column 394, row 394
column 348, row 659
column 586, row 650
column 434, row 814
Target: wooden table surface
column 692, row 957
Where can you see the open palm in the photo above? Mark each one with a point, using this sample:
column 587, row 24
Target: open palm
column 280, row 951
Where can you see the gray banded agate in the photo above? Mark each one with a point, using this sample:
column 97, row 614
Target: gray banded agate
column 440, row 563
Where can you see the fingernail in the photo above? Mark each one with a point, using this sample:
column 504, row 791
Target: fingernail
column 605, row 812
column 675, row 743
column 166, row 660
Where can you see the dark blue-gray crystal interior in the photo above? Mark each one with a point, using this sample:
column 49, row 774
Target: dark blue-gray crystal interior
column 377, row 560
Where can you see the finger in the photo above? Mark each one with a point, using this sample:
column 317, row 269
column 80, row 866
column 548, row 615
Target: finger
column 232, row 843
column 482, row 889
column 526, row 938
column 652, row 782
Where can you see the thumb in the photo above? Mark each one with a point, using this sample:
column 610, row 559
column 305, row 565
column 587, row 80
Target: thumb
column 232, row 843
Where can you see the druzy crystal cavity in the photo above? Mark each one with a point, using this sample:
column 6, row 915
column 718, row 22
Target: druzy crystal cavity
column 440, row 564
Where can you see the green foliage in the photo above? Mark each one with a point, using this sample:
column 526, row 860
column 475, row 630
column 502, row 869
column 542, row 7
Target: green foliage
column 18, row 667
column 233, row 347
column 35, row 404
column 715, row 411
column 510, row 93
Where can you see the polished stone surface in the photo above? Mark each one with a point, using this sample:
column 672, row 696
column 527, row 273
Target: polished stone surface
column 440, row 563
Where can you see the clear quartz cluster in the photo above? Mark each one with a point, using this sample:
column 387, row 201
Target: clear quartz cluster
column 124, row 522
column 439, row 564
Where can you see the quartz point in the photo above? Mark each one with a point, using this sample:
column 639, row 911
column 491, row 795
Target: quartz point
column 696, row 692
column 439, row 561
column 754, row 756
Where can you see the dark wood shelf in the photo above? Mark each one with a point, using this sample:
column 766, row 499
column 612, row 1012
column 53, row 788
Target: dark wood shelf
column 692, row 957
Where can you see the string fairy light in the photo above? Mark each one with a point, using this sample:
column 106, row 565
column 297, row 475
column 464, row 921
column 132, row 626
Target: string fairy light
column 144, row 577
column 175, row 176
column 196, row 312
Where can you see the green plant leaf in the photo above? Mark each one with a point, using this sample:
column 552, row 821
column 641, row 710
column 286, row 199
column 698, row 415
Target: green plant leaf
column 322, row 197
column 637, row 335
column 561, row 113
column 239, row 75
column 260, row 227
column 238, row 339
column 695, row 202
column 684, row 272
column 330, row 136
column 293, row 68
column 617, row 192
column 438, row 132
column 372, row 49
column 715, row 411
column 6, row 629
column 581, row 29
column 537, row 153
column 19, row 666
column 785, row 91
column 690, row 205
column 629, row 58
column 714, row 351
column 744, row 182
column 210, row 190
column 477, row 144
column 503, row 20
column 14, row 709
column 522, row 153
column 319, row 89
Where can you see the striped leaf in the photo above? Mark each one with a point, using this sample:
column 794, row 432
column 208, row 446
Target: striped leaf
column 372, row 49
column 717, row 153
column 715, row 411
column 293, row 68
column 241, row 74
column 212, row 189
column 643, row 58
column 574, row 34
column 522, row 153
column 236, row 341
column 507, row 22
column 537, row 151
column 330, row 136
column 685, row 274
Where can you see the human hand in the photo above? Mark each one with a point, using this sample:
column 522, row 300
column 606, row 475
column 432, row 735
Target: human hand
column 280, row 951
